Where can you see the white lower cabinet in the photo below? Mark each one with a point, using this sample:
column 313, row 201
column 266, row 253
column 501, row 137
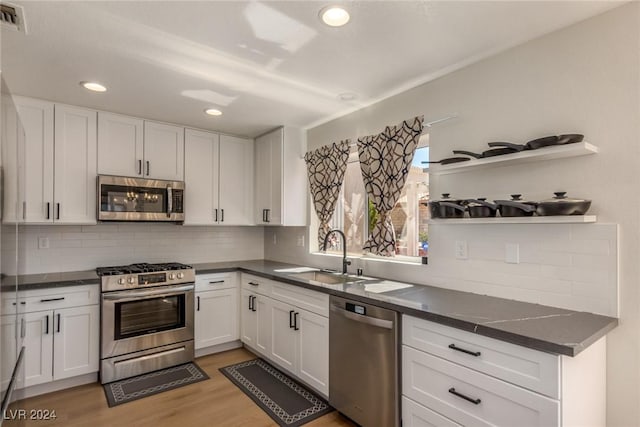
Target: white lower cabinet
column 293, row 338
column 61, row 342
column 452, row 377
column 216, row 310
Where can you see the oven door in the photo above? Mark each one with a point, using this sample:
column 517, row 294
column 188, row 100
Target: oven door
column 141, row 319
column 137, row 199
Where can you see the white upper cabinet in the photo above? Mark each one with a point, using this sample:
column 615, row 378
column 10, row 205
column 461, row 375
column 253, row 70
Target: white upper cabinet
column 75, row 165
column 281, row 180
column 43, row 162
column 236, row 180
column 218, row 179
column 163, row 151
column 128, row 146
column 120, row 145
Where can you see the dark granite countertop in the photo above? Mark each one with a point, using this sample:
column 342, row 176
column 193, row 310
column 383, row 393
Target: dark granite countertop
column 540, row 327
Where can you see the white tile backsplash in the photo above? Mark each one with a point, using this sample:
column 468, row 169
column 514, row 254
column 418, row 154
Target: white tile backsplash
column 74, row 248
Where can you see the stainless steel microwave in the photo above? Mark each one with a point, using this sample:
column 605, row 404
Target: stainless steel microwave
column 122, row 198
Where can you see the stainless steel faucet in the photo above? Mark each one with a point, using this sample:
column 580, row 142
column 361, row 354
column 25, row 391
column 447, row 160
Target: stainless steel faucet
column 345, row 262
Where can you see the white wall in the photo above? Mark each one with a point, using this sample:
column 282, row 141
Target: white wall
column 585, row 79
column 76, row 248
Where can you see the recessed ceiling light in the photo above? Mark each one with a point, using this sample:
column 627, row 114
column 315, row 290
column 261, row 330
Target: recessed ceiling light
column 334, row 16
column 347, row 96
column 96, row 87
column 213, row 112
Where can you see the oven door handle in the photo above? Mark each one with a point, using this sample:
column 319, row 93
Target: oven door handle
column 155, row 293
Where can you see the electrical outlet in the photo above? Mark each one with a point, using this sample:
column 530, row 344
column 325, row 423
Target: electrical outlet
column 43, row 243
column 275, row 239
column 461, row 249
column 301, row 240
column 512, row 253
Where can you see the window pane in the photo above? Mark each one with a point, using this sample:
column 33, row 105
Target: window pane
column 350, row 212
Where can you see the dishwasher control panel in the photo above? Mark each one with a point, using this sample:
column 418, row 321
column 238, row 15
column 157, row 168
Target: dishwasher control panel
column 358, row 309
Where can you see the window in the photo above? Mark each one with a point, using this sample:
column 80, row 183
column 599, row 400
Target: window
column 356, row 215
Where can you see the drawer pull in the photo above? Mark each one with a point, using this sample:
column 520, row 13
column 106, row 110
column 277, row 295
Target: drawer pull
column 473, row 353
column 21, row 303
column 52, row 299
column 216, row 281
column 467, row 398
column 291, row 324
column 198, row 298
column 254, row 284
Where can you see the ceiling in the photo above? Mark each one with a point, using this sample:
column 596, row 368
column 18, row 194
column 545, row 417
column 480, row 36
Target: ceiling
column 262, row 63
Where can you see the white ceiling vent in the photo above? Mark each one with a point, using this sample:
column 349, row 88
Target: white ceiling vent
column 12, row 17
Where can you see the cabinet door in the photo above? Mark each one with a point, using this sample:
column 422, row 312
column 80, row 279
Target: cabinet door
column 313, row 353
column 8, row 348
column 120, row 145
column 163, row 151
column 263, row 333
column 262, row 187
column 35, row 159
column 216, row 318
column 275, row 153
column 248, row 319
column 284, row 338
column 236, row 180
column 75, row 166
column 10, row 128
column 38, row 343
column 200, row 177
column 75, row 350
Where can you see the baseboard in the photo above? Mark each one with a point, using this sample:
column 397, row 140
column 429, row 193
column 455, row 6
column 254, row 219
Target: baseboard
column 36, row 390
column 218, row 348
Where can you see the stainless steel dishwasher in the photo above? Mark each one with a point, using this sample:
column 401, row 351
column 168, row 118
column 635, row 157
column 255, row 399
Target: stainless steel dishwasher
column 363, row 362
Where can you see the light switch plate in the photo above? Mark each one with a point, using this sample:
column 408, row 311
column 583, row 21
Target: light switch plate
column 512, row 253
column 461, row 249
column 43, row 243
column 301, row 240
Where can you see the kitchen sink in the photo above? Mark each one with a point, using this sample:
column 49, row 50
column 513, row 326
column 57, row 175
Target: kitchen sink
column 328, row 278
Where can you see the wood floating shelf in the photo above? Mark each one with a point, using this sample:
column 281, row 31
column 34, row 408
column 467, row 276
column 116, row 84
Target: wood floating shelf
column 546, row 153
column 560, row 219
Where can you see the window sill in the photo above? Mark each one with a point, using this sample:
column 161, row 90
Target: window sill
column 395, row 260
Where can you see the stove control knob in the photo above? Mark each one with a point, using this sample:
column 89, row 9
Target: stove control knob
column 131, row 280
column 172, row 276
column 180, row 275
column 121, row 281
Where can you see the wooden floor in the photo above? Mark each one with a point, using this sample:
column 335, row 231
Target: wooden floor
column 214, row 402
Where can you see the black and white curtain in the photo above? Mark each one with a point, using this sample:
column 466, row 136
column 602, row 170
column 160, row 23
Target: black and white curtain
column 326, row 167
column 385, row 160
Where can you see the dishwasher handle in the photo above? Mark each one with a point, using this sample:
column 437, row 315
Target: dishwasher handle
column 373, row 321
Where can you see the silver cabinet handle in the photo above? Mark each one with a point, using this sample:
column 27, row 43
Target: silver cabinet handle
column 148, row 168
column 374, row 321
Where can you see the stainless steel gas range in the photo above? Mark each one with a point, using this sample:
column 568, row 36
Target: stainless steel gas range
column 147, row 316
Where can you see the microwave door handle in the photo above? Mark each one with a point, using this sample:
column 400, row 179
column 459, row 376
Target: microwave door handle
column 169, row 202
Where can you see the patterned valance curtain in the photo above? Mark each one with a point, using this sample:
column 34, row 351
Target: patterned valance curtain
column 326, row 167
column 385, row 160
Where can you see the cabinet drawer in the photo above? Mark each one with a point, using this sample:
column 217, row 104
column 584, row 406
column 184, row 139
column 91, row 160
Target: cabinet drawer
column 471, row 398
column 416, row 415
column 214, row 281
column 55, row 298
column 257, row 285
column 307, row 299
column 528, row 368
